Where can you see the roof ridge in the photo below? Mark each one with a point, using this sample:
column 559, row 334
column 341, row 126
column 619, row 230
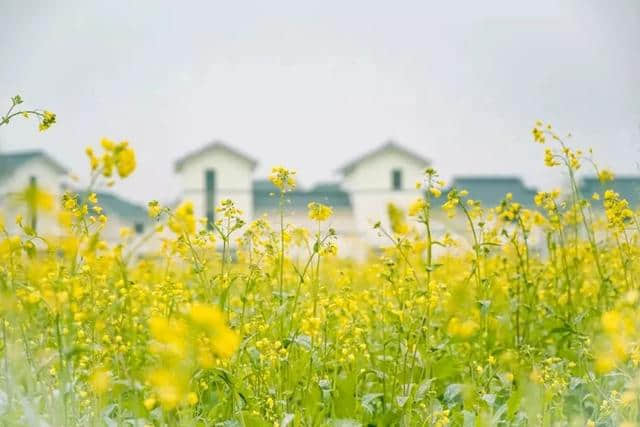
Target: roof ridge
column 389, row 143
column 215, row 143
column 15, row 159
column 35, row 151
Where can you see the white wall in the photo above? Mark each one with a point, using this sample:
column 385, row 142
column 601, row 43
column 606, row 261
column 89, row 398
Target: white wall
column 47, row 179
column 370, row 188
column 233, row 180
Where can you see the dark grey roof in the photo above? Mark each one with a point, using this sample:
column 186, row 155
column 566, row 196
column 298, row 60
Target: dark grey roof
column 115, row 205
column 627, row 186
column 266, row 197
column 389, row 145
column 10, row 162
column 211, row 146
column 263, row 185
column 491, row 189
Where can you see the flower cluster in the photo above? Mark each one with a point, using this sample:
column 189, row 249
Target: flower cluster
column 284, row 179
column 115, row 155
column 183, row 220
column 319, row 212
column 522, row 313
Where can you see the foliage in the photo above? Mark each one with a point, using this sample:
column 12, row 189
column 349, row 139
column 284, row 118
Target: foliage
column 534, row 322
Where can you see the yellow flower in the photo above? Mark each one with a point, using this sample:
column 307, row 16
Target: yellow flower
column 126, row 160
column 48, row 118
column 125, row 232
column 206, row 316
column 283, row 178
column 628, row 397
column 107, row 144
column 107, row 164
column 538, row 132
column 183, row 219
column 192, row 398
column 150, row 403
column 417, row 206
column 549, row 159
column 536, row 376
column 169, row 387
column 397, row 219
column 155, row 209
column 329, row 249
column 611, row 321
column 605, row 175
column 100, row 380
column 605, row 363
column 170, row 337
column 319, row 212
column 462, row 329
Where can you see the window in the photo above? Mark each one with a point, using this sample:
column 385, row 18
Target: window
column 33, row 214
column 209, row 199
column 138, row 227
column 396, row 179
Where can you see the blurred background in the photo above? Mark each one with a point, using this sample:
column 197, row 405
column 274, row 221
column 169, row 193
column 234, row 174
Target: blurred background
column 314, row 85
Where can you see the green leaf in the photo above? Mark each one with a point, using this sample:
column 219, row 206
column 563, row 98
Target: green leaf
column 423, row 389
column 490, row 398
column 469, row 418
column 484, row 305
column 368, row 401
column 498, row 414
column 324, row 384
column 303, row 341
column 343, row 422
column 401, row 400
column 513, row 403
column 453, row 394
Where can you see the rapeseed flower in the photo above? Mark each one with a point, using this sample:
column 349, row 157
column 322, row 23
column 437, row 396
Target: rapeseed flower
column 319, row 212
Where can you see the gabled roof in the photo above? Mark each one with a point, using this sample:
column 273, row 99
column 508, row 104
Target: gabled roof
column 491, row 189
column 115, row 205
column 209, row 147
column 389, row 145
column 265, row 197
column 627, row 186
column 10, row 162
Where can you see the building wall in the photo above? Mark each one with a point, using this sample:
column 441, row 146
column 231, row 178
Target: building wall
column 348, row 242
column 370, row 188
column 47, row 179
column 233, row 180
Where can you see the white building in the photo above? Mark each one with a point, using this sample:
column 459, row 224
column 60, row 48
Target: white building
column 218, row 171
column 385, row 175
column 35, row 172
column 360, row 198
column 369, row 183
column 214, row 173
column 20, row 174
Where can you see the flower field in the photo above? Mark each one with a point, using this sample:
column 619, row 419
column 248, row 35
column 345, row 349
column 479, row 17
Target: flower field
column 252, row 324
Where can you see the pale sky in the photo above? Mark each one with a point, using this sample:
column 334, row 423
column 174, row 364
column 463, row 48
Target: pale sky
column 311, row 85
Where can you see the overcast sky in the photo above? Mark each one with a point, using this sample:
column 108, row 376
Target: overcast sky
column 313, row 84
